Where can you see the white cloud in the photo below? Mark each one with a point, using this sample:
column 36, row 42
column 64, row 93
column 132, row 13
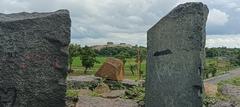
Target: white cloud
column 231, row 41
column 217, row 17
column 184, row 1
column 13, row 6
column 99, row 21
column 238, row 9
column 227, row 4
column 131, row 38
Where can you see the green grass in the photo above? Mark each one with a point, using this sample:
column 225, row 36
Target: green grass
column 233, row 81
column 223, row 66
column 72, row 93
column 79, row 70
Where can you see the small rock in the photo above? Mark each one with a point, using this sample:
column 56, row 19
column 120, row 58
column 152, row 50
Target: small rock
column 88, row 101
column 84, row 92
column 113, row 94
column 102, row 88
column 83, row 82
column 141, row 104
column 71, row 101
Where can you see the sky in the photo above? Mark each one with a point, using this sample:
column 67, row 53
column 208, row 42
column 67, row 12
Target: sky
column 127, row 21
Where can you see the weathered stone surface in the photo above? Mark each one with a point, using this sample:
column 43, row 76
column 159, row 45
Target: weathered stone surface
column 175, row 58
column 112, row 69
column 33, row 59
column 113, row 94
column 87, row 101
column 71, row 101
column 91, row 82
column 84, row 92
column 102, row 88
column 83, row 82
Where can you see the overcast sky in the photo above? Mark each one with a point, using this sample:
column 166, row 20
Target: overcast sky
column 99, row 21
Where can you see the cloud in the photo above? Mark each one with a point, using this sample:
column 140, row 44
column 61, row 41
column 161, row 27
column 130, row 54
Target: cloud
column 130, row 38
column 227, row 4
column 238, row 9
column 231, row 41
column 217, row 17
column 13, row 6
column 99, row 21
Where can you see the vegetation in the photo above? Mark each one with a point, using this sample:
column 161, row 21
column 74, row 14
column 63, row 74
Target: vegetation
column 88, row 58
column 210, row 100
column 81, row 60
column 72, row 93
column 74, row 51
column 210, row 69
column 114, row 51
column 233, row 81
column 221, row 60
column 218, row 61
column 136, row 93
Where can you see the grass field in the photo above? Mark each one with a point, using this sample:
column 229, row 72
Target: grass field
column 222, row 67
column 233, row 81
column 78, row 69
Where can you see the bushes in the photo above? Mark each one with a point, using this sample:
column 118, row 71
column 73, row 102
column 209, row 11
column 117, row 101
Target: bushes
column 136, row 93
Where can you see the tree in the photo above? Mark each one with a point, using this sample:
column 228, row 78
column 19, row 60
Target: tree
column 238, row 59
column 141, row 55
column 123, row 56
column 132, row 68
column 74, row 51
column 206, row 72
column 212, row 69
column 88, row 57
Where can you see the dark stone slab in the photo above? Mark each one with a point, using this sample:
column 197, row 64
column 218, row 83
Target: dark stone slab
column 33, row 59
column 175, row 58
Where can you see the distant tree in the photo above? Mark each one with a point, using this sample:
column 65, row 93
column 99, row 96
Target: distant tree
column 140, row 57
column 238, row 59
column 114, row 51
column 133, row 68
column 74, row 51
column 206, row 72
column 88, row 58
column 123, row 56
column 235, row 61
column 212, row 69
column 211, row 52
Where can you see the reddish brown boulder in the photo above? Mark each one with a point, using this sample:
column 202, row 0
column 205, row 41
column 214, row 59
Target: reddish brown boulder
column 112, row 69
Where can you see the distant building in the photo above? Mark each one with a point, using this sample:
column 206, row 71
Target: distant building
column 111, row 44
column 122, row 43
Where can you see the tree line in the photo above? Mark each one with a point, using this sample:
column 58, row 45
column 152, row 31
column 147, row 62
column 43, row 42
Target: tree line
column 229, row 55
column 88, row 55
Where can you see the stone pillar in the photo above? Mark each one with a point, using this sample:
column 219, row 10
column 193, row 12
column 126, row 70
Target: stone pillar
column 33, row 59
column 175, row 58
